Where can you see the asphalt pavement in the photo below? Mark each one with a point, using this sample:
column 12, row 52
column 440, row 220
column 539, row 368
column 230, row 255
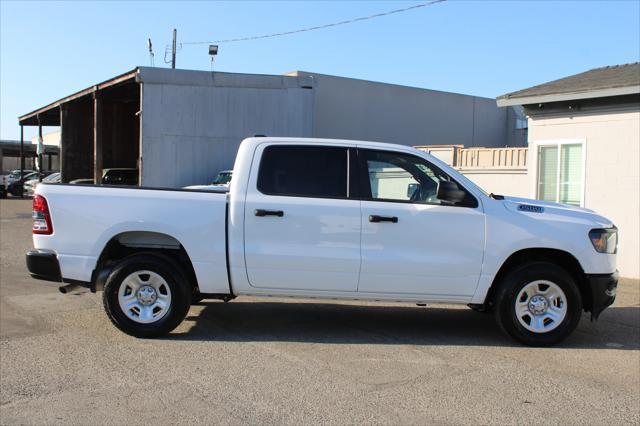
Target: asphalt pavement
column 290, row 361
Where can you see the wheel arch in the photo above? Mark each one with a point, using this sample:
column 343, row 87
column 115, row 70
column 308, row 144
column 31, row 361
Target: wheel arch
column 127, row 243
column 558, row 257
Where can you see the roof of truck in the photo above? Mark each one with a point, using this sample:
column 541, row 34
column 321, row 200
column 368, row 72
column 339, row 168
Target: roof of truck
column 326, row 141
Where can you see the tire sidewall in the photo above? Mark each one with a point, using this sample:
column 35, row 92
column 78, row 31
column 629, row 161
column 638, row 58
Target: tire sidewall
column 170, row 272
column 515, row 281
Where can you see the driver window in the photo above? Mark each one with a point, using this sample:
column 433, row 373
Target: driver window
column 401, row 177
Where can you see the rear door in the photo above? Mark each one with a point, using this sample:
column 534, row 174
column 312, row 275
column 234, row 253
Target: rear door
column 413, row 243
column 302, row 229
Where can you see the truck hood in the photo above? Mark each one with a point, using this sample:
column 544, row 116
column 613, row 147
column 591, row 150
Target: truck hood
column 547, row 210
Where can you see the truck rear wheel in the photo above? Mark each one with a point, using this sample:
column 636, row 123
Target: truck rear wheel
column 538, row 304
column 146, row 295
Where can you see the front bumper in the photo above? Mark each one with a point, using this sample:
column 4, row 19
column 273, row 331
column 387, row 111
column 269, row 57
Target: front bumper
column 603, row 291
column 43, row 265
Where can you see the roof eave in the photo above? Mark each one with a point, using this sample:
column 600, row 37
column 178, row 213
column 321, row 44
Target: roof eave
column 24, row 119
column 505, row 100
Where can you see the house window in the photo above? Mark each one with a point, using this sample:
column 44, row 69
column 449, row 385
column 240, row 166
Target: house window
column 561, row 172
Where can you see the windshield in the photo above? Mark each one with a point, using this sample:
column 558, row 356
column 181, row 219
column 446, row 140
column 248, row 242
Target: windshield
column 468, row 182
column 222, row 178
column 16, row 173
column 51, row 177
column 458, row 176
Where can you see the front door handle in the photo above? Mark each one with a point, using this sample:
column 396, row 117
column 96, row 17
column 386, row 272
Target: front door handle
column 263, row 212
column 375, row 218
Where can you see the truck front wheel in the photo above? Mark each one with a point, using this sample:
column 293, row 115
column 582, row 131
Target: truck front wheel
column 146, row 295
column 538, row 304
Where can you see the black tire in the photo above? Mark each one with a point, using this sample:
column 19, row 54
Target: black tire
column 174, row 278
column 511, row 285
column 196, row 298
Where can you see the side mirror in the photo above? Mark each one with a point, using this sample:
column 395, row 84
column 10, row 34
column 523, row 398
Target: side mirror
column 449, row 191
column 411, row 189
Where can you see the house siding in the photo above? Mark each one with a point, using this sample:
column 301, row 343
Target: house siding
column 612, row 169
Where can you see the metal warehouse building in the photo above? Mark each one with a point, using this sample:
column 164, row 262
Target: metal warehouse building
column 180, row 127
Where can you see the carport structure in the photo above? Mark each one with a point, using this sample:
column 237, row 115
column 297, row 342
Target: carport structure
column 100, row 127
column 176, row 127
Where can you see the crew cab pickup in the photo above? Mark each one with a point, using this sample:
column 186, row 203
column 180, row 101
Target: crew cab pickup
column 333, row 219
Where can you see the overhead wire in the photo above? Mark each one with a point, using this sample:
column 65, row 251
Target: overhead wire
column 318, row 27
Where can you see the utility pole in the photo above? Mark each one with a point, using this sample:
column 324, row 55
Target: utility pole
column 173, row 49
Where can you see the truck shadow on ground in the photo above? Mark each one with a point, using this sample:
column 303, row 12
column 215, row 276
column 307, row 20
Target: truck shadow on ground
column 618, row 328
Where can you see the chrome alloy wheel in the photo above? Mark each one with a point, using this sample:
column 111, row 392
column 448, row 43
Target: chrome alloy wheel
column 541, row 306
column 144, row 297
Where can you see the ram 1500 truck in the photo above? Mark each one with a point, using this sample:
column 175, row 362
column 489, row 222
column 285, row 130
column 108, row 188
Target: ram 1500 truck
column 333, row 219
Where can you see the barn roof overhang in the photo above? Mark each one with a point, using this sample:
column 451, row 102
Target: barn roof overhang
column 49, row 115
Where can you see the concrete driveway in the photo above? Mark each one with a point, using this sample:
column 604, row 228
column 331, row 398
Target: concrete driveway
column 275, row 361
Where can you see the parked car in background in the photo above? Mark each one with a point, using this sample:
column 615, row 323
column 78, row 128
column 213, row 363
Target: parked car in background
column 223, row 178
column 3, row 186
column 15, row 188
column 333, row 219
column 30, row 185
column 82, row 181
column 222, row 181
column 120, row 176
column 14, row 175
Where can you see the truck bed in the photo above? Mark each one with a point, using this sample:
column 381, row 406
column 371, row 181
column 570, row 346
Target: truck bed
column 86, row 217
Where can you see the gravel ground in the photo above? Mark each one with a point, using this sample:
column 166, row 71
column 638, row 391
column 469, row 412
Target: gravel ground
column 287, row 361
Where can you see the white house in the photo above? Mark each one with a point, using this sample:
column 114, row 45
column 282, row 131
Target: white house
column 584, row 139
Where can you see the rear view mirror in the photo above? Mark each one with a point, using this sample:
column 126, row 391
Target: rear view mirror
column 449, row 191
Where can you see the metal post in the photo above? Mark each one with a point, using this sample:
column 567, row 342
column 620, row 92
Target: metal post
column 173, row 49
column 39, row 154
column 22, row 156
column 97, row 138
column 62, row 151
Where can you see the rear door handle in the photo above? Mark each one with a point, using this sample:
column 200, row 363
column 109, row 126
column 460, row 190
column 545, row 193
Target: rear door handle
column 263, row 212
column 376, row 218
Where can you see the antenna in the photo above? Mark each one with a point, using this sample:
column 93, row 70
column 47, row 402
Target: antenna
column 150, row 51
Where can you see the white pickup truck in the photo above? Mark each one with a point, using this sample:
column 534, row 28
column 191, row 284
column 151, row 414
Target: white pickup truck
column 331, row 219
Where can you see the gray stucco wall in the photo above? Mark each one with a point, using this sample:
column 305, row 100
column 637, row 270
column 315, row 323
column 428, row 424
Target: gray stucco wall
column 348, row 108
column 193, row 122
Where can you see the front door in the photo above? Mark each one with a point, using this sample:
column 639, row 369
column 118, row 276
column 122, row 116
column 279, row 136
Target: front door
column 413, row 243
column 302, row 231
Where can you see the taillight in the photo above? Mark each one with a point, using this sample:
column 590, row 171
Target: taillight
column 41, row 216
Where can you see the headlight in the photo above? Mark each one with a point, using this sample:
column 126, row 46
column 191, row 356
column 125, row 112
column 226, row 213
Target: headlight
column 604, row 240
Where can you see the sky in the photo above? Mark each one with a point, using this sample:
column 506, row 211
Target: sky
column 49, row 50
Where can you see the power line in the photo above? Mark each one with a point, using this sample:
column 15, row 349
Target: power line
column 319, row 27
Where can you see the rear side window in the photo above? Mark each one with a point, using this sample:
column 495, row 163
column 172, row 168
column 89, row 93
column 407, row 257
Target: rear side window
column 304, row 171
